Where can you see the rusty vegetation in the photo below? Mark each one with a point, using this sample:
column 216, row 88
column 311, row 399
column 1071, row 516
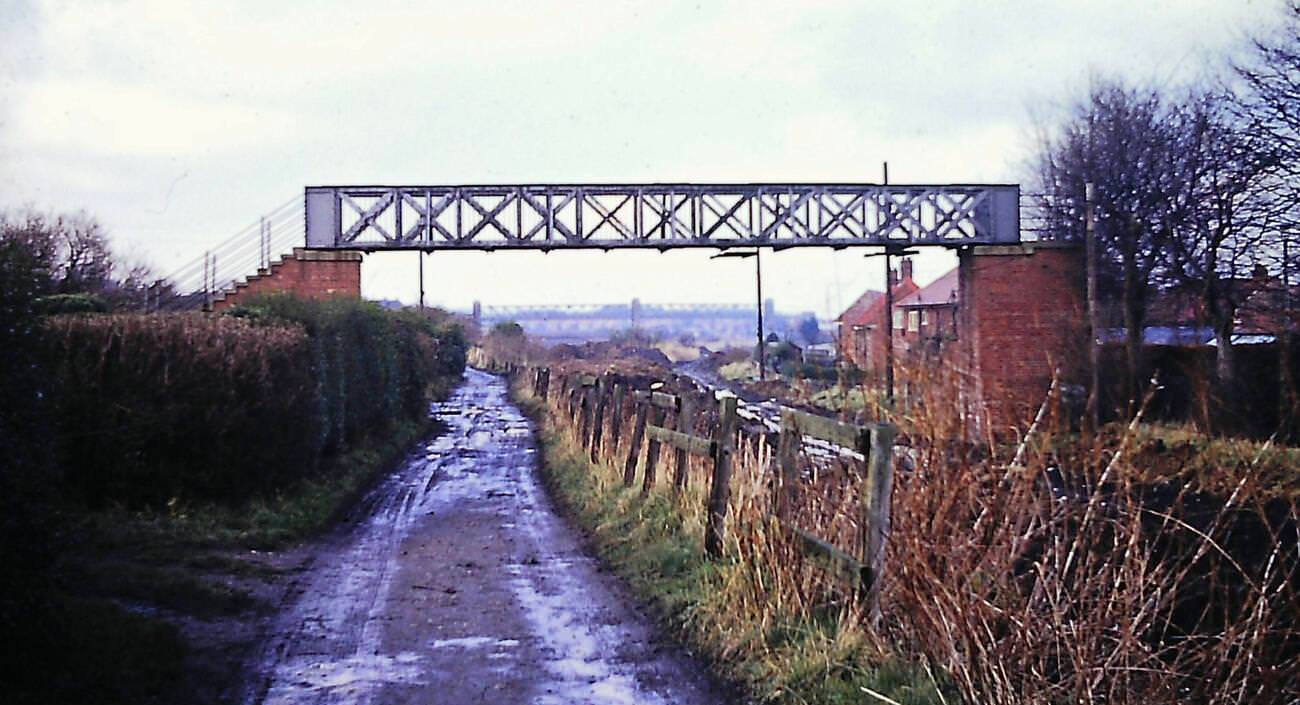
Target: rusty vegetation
column 1109, row 569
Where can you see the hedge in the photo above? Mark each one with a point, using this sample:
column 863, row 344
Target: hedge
column 193, row 406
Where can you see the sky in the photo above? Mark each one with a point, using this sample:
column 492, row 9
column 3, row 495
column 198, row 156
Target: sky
column 178, row 124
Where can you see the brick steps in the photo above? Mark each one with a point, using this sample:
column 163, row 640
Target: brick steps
column 308, row 273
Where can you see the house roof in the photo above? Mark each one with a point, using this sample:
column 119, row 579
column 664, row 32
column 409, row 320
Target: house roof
column 869, row 309
column 855, row 312
column 1182, row 336
column 941, row 291
column 1263, row 305
column 874, row 312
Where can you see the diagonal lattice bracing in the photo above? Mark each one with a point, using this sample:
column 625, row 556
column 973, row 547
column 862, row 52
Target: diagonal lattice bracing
column 660, row 216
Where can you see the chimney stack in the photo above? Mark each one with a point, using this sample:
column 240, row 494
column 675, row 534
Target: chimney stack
column 907, row 270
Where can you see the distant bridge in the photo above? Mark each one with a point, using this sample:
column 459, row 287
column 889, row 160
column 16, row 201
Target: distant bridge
column 658, row 216
column 570, row 323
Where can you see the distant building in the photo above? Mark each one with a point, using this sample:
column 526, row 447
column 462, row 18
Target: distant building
column 820, row 354
column 862, row 325
column 1265, row 309
column 925, row 321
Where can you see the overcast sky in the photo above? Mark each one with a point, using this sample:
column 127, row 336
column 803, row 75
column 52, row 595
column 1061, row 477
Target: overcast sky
column 178, row 124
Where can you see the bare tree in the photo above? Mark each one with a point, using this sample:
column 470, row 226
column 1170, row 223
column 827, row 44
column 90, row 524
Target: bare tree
column 1121, row 139
column 1221, row 175
column 1268, row 103
column 74, row 254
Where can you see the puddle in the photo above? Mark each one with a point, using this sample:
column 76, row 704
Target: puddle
column 309, row 680
column 474, row 642
column 567, row 638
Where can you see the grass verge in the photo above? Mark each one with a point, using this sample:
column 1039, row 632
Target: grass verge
column 262, row 523
column 721, row 609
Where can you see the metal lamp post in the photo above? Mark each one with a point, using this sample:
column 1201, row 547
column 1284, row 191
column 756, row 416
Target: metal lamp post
column 758, row 279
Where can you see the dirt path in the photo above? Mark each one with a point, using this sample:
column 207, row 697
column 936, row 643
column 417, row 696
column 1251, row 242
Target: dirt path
column 456, row 582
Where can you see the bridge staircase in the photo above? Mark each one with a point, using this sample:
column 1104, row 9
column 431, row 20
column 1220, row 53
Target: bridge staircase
column 240, row 263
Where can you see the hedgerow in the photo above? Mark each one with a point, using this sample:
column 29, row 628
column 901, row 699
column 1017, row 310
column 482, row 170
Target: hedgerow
column 192, row 406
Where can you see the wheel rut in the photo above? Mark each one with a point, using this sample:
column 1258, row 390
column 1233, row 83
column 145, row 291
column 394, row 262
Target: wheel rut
column 456, row 582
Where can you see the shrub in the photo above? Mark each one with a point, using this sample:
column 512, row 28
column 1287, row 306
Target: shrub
column 152, row 407
column 70, row 303
column 372, row 366
column 190, row 406
column 26, row 534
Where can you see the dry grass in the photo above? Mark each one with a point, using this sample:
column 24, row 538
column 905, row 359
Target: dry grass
column 771, row 622
column 1076, row 577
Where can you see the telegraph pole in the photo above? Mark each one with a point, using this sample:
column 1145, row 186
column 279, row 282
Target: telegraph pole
column 758, row 277
column 889, row 314
column 421, row 255
column 1093, row 412
column 762, row 343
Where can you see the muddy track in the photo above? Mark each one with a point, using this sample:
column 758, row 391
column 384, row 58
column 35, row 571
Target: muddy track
column 455, row 582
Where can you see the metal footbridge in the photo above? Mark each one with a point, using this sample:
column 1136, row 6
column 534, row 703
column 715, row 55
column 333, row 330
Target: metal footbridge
column 658, row 216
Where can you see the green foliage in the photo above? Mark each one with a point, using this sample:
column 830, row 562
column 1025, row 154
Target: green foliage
column 70, row 303
column 809, row 330
column 264, row 523
column 27, row 465
column 809, row 370
column 508, row 329
column 154, row 409
column 372, row 366
column 506, row 342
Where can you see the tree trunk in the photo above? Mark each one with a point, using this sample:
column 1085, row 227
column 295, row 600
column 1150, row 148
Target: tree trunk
column 1225, row 375
column 1134, row 318
column 1286, row 395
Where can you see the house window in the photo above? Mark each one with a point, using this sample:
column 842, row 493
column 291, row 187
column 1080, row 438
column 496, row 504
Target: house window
column 925, row 317
column 913, row 321
column 898, row 319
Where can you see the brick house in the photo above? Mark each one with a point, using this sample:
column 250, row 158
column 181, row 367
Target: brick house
column 925, row 321
column 861, row 328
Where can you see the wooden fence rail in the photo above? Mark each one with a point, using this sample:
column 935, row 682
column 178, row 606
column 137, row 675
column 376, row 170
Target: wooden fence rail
column 659, row 418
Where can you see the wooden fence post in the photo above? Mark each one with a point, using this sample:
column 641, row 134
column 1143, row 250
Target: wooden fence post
column 652, row 451
column 879, row 452
column 584, row 428
column 787, row 477
column 634, row 452
column 616, row 419
column 715, row 532
column 598, row 423
column 545, row 383
column 574, row 402
column 685, row 424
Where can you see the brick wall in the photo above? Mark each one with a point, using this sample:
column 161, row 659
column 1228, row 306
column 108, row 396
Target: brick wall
column 313, row 274
column 1022, row 314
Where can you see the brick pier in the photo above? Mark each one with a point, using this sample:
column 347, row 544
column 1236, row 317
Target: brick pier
column 1024, row 313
